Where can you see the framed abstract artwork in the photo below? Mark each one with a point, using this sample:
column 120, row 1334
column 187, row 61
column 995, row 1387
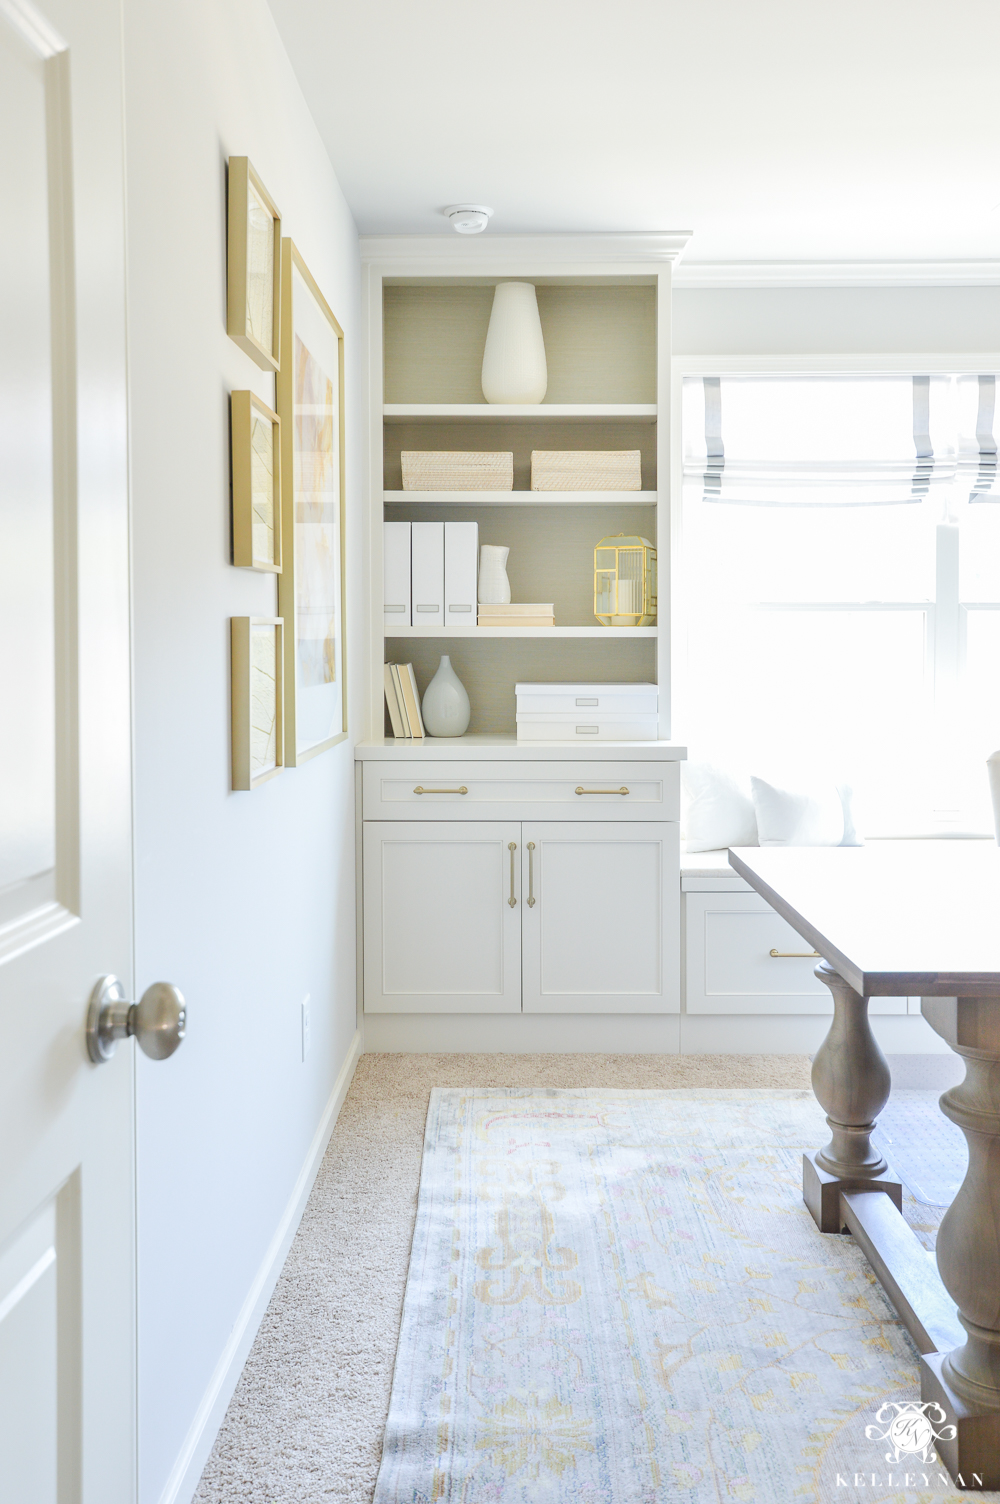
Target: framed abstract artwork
column 310, row 388
column 256, row 451
column 258, row 711
column 253, row 317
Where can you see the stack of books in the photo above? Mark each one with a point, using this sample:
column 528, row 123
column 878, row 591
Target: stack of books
column 518, row 614
column 403, row 701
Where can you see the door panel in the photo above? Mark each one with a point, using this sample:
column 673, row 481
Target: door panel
column 440, row 933
column 67, row 1348
column 602, row 934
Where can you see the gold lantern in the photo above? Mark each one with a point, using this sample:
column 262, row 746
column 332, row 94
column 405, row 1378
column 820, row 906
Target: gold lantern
column 625, row 582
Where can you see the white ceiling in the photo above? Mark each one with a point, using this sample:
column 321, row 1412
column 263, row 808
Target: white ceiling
column 773, row 129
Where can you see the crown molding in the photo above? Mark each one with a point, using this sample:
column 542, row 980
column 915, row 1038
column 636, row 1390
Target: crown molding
column 476, row 253
column 731, row 274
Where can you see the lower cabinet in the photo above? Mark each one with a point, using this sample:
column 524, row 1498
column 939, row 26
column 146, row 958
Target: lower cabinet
column 602, row 935
column 505, row 916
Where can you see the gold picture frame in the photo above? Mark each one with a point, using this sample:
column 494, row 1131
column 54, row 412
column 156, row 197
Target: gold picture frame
column 258, row 709
column 311, row 586
column 256, row 466
column 253, row 314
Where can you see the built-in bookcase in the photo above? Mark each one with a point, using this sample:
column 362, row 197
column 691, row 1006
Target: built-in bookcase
column 604, row 303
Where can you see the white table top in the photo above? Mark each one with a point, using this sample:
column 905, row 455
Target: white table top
column 894, row 919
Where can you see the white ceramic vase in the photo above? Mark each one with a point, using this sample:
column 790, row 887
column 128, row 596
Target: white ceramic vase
column 993, row 769
column 494, row 586
column 445, row 706
column 514, row 368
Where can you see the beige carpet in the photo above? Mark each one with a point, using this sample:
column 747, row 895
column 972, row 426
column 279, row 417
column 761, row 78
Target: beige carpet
column 306, row 1421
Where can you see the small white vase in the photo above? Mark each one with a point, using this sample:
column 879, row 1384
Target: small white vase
column 993, row 769
column 514, row 368
column 445, row 706
column 494, row 586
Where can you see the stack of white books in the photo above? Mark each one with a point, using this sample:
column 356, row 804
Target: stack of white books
column 518, row 614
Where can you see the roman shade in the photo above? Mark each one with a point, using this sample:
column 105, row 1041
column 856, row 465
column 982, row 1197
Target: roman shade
column 853, row 440
column 977, row 446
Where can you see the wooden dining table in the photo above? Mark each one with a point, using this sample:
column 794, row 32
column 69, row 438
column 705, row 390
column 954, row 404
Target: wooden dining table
column 897, row 919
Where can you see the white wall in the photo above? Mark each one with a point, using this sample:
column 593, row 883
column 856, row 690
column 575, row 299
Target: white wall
column 245, row 900
column 835, row 320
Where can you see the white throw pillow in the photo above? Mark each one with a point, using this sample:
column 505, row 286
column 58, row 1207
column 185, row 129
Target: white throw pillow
column 817, row 816
column 717, row 811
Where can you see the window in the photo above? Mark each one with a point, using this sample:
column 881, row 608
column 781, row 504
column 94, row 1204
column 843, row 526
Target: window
column 839, row 587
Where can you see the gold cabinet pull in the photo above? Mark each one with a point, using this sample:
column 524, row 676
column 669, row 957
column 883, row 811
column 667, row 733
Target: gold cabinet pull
column 512, row 847
column 421, row 790
column 582, row 790
column 531, row 874
column 793, row 955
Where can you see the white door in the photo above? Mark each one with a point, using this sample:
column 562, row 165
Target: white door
column 67, row 1397
column 442, row 916
column 602, row 935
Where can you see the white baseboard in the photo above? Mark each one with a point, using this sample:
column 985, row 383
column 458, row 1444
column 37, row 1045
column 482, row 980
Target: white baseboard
column 521, row 1033
column 190, row 1464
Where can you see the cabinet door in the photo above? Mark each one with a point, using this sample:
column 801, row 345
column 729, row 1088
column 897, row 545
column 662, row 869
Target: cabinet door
column 603, row 933
column 441, row 935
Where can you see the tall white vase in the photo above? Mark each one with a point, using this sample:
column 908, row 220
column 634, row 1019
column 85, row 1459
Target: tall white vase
column 494, row 586
column 445, row 706
column 514, row 368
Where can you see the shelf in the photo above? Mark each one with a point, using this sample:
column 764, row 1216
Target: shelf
column 478, row 412
column 492, row 747
column 522, row 498
column 620, row 634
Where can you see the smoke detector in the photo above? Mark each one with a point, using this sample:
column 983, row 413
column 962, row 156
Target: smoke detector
column 468, row 219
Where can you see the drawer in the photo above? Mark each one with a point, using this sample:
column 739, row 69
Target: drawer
column 583, row 727
column 729, row 967
column 521, row 791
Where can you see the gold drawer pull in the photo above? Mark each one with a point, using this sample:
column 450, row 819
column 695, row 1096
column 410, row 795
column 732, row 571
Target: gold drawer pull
column 531, row 874
column 512, row 847
column 793, row 955
column 421, row 790
column 582, row 790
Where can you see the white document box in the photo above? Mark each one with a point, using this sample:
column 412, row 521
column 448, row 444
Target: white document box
column 586, row 712
column 396, row 574
column 428, row 574
column 461, row 556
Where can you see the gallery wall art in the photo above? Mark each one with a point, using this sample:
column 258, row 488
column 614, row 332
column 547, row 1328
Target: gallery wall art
column 310, row 402
column 257, row 712
column 254, row 274
column 255, row 431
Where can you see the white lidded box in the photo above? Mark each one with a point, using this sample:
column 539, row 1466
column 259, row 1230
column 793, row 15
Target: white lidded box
column 586, row 712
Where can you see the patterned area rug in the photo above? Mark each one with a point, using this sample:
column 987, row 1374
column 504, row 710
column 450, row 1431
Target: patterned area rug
column 617, row 1297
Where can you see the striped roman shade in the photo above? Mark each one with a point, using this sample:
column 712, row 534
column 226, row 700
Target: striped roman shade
column 830, row 440
column 977, row 445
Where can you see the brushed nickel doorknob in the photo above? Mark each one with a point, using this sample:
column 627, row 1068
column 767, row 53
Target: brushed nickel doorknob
column 158, row 1020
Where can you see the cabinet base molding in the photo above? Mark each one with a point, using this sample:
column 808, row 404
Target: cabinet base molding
column 522, row 1034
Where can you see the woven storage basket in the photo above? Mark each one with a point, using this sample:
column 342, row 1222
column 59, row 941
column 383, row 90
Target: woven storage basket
column 586, row 470
column 456, row 470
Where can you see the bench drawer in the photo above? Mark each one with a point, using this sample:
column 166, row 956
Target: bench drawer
column 423, row 790
column 730, row 967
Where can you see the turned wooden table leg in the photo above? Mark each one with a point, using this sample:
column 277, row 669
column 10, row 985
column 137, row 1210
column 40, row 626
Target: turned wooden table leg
column 966, row 1381
column 851, row 1080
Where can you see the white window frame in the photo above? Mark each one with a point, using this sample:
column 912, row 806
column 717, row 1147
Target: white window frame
column 946, row 618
